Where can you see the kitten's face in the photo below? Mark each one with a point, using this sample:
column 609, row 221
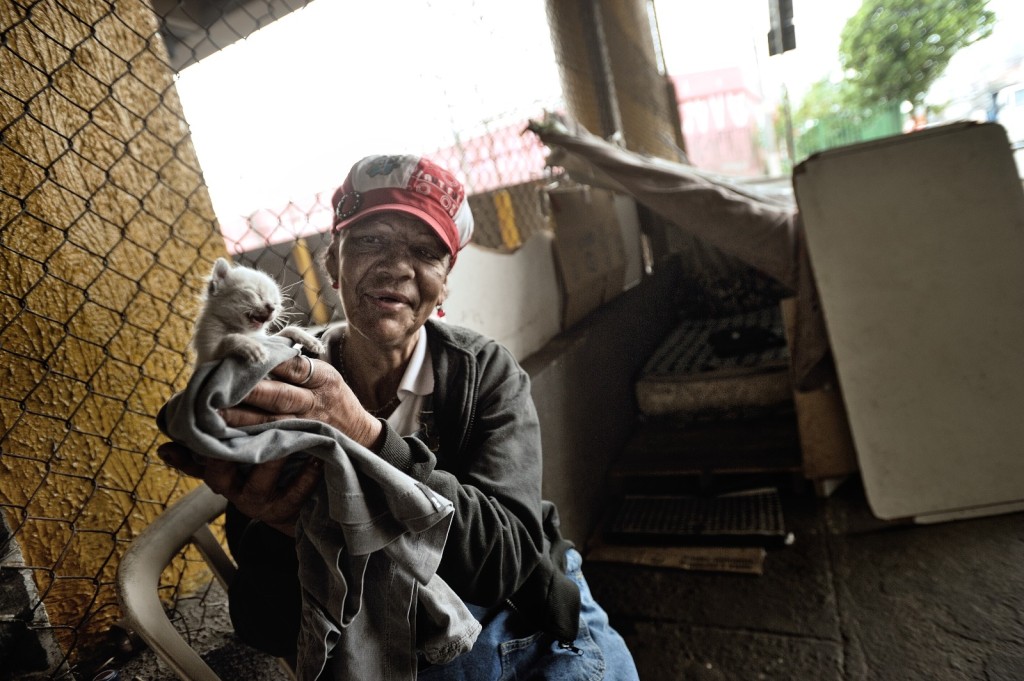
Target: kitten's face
column 246, row 300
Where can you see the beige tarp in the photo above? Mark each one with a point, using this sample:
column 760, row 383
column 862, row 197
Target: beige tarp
column 761, row 231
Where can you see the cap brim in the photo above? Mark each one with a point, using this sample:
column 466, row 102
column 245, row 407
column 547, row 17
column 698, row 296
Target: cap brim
column 406, row 209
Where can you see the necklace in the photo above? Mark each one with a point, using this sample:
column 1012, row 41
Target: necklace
column 382, row 411
column 386, row 410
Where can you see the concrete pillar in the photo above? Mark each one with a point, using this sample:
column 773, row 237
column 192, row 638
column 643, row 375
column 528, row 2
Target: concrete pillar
column 610, row 75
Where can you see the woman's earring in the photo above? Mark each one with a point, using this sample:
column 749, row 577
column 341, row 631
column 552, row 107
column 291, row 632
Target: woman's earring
column 440, row 310
column 334, row 285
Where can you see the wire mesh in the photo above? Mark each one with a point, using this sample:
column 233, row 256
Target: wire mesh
column 107, row 233
column 612, row 78
column 104, row 227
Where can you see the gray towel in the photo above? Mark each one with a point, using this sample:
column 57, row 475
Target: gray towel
column 369, row 539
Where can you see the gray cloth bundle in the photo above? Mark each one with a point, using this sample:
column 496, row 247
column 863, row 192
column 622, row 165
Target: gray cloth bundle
column 369, row 539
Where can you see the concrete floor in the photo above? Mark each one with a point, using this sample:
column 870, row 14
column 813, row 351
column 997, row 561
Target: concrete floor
column 851, row 599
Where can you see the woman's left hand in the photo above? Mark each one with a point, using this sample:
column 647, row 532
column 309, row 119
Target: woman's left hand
column 257, row 491
column 306, row 388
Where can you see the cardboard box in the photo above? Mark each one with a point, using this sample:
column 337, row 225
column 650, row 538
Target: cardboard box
column 507, row 217
column 916, row 243
column 826, row 443
column 629, row 222
column 588, row 249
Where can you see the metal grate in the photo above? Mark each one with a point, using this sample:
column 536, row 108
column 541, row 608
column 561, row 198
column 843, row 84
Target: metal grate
column 749, row 340
column 741, row 518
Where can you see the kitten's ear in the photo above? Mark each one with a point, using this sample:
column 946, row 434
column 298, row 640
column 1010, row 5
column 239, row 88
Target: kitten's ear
column 220, row 272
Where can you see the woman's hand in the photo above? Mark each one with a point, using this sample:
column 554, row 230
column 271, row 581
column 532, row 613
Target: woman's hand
column 177, row 456
column 307, row 388
column 255, row 489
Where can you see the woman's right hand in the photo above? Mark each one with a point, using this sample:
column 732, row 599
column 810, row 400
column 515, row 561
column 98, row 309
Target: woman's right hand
column 253, row 489
column 307, row 388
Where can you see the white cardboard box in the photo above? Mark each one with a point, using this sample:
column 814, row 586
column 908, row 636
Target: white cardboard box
column 917, row 244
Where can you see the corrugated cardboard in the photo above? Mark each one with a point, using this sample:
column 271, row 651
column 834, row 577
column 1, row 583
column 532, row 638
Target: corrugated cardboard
column 738, row 559
column 588, row 249
column 629, row 222
column 825, row 440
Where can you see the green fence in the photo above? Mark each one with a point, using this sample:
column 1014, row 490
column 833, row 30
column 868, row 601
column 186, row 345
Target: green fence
column 847, row 128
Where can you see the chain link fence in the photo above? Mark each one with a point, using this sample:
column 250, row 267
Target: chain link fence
column 107, row 233
column 613, row 76
column 105, row 236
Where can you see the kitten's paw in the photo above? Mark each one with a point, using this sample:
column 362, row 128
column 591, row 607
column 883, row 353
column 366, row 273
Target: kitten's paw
column 254, row 354
column 243, row 347
column 309, row 342
column 251, row 353
column 315, row 346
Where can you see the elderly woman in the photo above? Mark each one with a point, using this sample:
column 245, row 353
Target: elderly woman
column 440, row 403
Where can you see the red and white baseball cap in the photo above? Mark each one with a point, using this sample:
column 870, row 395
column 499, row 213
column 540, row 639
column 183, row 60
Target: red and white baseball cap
column 406, row 184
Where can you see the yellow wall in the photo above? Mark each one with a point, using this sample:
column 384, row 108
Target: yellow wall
column 106, row 232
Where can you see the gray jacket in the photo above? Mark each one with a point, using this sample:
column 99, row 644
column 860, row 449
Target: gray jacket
column 480, row 446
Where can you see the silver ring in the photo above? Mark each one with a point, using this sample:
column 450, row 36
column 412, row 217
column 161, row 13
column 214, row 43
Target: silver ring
column 310, row 374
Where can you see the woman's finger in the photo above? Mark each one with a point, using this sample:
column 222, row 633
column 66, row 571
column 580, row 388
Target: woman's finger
column 181, row 458
column 300, row 370
column 305, row 482
column 261, row 483
column 279, row 398
column 238, row 417
column 222, row 477
column 263, row 496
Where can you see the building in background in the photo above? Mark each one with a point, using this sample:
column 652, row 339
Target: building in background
column 721, row 114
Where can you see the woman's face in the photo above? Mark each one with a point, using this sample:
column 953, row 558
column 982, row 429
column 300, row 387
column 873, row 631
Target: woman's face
column 393, row 272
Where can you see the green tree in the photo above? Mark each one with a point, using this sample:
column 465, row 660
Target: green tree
column 827, row 98
column 824, row 98
column 893, row 50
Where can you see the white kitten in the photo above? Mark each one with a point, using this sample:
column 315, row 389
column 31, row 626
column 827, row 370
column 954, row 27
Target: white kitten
column 240, row 304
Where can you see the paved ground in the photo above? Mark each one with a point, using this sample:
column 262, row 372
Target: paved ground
column 852, row 599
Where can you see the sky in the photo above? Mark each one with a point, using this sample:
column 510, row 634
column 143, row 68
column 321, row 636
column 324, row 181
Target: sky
column 734, row 32
column 711, row 35
column 284, row 113
column 294, row 105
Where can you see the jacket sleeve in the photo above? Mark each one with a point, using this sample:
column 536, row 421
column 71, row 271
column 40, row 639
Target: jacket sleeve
column 488, row 464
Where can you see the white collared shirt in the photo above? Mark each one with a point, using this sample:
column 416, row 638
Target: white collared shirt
column 417, row 382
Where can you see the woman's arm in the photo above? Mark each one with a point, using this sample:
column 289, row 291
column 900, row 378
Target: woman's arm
column 489, row 467
column 256, row 490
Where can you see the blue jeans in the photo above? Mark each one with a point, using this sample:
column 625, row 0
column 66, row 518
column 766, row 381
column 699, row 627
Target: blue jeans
column 507, row 649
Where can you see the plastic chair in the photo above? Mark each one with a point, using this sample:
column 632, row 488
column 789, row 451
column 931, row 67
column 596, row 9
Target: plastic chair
column 138, row 576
